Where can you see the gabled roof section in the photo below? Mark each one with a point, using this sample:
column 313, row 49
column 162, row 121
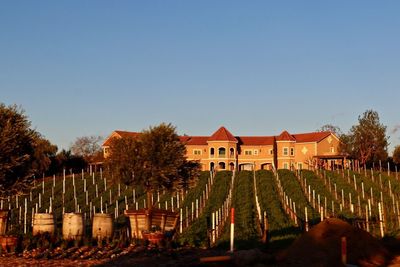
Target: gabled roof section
column 222, row 134
column 311, row 137
column 119, row 134
column 256, row 140
column 285, row 136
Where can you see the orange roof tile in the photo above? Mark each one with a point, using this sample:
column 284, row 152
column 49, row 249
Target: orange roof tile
column 197, row 141
column 222, row 134
column 311, row 137
column 285, row 136
column 256, row 140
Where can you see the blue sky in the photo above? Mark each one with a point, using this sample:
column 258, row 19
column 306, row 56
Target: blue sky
column 258, row 67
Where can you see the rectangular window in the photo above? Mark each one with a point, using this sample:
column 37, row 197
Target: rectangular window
column 248, row 152
column 332, row 149
column 271, row 151
column 285, row 165
column 255, row 152
column 291, row 151
column 285, row 151
column 197, row 151
column 299, row 165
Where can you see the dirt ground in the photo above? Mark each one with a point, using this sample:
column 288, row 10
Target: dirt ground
column 321, row 246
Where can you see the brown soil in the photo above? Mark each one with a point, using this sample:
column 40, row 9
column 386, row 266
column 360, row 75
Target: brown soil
column 321, row 246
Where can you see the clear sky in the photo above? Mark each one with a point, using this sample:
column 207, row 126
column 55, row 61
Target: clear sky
column 257, row 67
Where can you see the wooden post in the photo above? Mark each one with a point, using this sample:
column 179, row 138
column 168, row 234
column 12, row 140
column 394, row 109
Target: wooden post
column 380, row 219
column 232, row 229
column 366, row 217
column 344, row 250
column 306, row 218
column 180, row 221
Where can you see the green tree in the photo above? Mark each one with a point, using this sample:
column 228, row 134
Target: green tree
column 43, row 152
column 367, row 141
column 17, row 147
column 396, row 155
column 155, row 159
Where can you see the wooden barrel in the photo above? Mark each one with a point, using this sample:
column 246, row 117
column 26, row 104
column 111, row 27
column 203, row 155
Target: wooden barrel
column 72, row 227
column 3, row 221
column 102, row 226
column 8, row 243
column 43, row 222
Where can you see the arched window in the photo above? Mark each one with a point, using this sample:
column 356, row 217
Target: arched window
column 232, row 152
column 221, row 152
column 212, row 152
column 221, row 165
column 211, row 166
column 231, row 166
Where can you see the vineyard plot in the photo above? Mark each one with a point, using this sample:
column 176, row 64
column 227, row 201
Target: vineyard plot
column 293, row 191
column 196, row 234
column 281, row 229
column 247, row 230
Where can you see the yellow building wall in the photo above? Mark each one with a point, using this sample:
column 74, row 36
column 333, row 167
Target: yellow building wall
column 260, row 156
column 324, row 147
column 305, row 153
column 285, row 160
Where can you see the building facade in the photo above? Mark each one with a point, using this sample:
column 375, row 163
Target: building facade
column 224, row 151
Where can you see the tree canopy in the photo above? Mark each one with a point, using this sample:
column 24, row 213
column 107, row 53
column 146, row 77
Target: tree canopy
column 155, row 159
column 367, row 140
column 88, row 147
column 396, row 155
column 17, row 146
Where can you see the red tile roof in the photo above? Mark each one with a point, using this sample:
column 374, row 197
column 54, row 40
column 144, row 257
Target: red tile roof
column 285, row 136
column 222, row 134
column 256, row 140
column 311, row 137
column 197, row 141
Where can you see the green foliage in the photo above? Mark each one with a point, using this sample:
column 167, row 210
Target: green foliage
column 367, row 141
column 196, row 234
column 321, row 187
column 396, row 155
column 292, row 188
column 17, row 148
column 247, row 233
column 281, row 229
column 154, row 159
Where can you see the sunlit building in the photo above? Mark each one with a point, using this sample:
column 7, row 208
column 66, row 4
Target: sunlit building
column 224, row 151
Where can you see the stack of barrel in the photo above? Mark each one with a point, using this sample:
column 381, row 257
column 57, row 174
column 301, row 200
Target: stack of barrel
column 73, row 225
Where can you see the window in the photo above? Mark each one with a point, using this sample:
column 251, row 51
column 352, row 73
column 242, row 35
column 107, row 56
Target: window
column 271, row 151
column 291, row 151
column 197, row 151
column 221, row 165
column 248, row 152
column 255, row 152
column 332, row 149
column 221, row 151
column 232, row 152
column 285, row 165
column 285, row 151
column 299, row 165
column 212, row 152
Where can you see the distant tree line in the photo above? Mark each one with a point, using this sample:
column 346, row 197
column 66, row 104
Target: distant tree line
column 25, row 154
